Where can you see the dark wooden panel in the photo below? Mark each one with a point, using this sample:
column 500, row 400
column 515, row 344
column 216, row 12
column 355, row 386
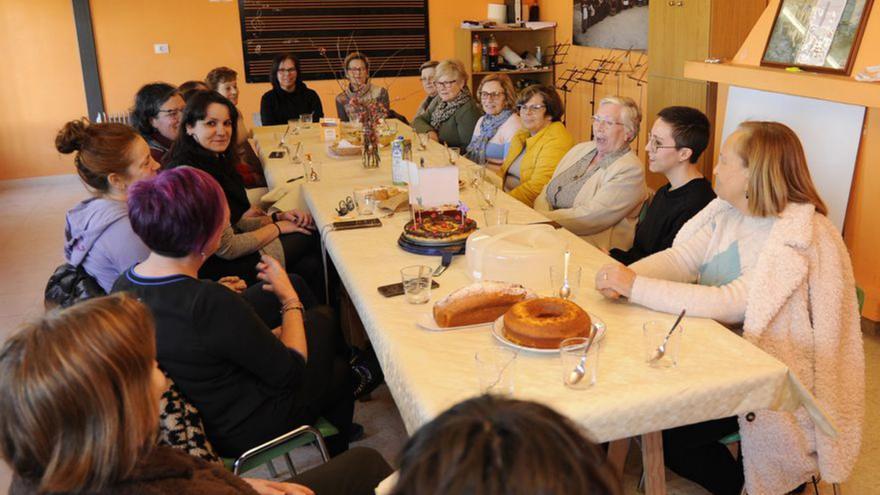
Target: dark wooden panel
column 393, row 34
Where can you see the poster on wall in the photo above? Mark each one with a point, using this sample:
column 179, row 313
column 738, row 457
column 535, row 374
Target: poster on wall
column 620, row 24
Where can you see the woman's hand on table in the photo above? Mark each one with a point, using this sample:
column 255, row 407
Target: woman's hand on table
column 266, row 487
column 254, row 212
column 615, row 280
column 275, row 279
column 299, row 217
column 433, row 135
column 288, row 227
column 234, row 284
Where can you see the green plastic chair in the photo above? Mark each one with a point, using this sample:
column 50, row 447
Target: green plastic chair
column 281, row 446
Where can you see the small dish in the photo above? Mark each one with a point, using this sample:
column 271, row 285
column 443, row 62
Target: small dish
column 498, row 333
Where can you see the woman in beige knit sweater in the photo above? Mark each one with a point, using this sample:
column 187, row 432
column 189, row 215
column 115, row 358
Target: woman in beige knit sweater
column 764, row 256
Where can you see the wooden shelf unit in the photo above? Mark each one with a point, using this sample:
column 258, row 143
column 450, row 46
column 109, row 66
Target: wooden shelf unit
column 519, row 40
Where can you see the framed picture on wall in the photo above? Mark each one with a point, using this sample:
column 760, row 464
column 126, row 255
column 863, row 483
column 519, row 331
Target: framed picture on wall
column 817, row 35
column 620, row 24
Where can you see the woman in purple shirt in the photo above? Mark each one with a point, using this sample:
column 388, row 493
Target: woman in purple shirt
column 98, row 236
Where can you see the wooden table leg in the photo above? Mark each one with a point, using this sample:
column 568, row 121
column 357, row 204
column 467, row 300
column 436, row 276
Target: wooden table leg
column 652, row 460
column 617, row 451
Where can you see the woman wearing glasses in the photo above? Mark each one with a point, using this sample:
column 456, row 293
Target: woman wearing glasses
column 360, row 90
column 599, row 186
column 426, row 72
column 495, row 130
column 289, row 97
column 451, row 117
column 537, row 147
column 156, row 115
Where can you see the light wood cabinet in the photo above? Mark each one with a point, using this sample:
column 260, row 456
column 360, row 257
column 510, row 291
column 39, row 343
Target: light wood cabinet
column 519, row 40
column 681, row 30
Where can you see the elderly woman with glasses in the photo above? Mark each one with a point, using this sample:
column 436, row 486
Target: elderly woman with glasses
column 537, row 147
column 496, row 129
column 451, row 117
column 360, row 90
column 599, row 186
column 156, row 115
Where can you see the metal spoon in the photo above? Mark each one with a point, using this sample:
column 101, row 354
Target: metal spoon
column 661, row 350
column 577, row 374
column 565, row 290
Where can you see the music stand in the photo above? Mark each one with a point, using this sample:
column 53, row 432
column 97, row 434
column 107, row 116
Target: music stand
column 566, row 83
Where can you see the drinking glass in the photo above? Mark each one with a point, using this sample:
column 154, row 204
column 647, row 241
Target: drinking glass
column 488, row 195
column 496, row 370
column 653, row 334
column 477, row 175
column 574, row 280
column 312, row 170
column 292, row 127
column 417, row 283
column 571, row 353
column 423, row 140
column 454, row 154
column 306, row 119
column 364, row 201
column 496, row 216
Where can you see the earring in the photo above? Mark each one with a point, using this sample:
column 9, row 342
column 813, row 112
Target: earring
column 202, row 254
column 747, row 194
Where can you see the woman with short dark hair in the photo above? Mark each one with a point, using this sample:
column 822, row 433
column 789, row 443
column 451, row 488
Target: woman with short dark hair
column 158, row 108
column 289, row 97
column 360, row 90
column 537, row 148
column 249, row 385
column 495, row 446
column 207, row 141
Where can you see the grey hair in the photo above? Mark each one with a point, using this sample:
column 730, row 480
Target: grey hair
column 632, row 116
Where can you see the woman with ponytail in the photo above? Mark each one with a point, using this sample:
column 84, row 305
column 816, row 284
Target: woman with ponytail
column 108, row 158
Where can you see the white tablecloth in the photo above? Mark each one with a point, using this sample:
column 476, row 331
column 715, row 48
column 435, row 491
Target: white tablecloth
column 719, row 374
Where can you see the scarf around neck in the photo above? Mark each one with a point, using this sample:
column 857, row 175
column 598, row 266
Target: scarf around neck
column 445, row 109
column 488, row 128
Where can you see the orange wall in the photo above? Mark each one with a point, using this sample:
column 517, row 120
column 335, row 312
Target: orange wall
column 42, row 87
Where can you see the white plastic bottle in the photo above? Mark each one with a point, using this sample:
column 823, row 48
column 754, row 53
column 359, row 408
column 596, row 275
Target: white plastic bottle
column 398, row 166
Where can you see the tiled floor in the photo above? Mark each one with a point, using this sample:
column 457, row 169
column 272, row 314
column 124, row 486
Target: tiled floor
column 31, row 239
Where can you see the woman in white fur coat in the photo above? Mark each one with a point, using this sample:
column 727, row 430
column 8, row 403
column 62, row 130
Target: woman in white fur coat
column 764, row 255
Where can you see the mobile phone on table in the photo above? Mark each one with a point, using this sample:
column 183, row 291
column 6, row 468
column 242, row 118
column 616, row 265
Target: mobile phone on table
column 276, row 154
column 397, row 289
column 357, row 224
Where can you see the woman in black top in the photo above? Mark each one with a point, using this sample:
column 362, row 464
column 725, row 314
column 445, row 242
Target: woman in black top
column 206, row 141
column 249, row 385
column 156, row 116
column 289, row 97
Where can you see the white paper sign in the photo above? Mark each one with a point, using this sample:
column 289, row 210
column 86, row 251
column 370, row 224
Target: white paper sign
column 434, row 186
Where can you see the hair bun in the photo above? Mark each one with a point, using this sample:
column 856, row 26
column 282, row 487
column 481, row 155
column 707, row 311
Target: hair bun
column 70, row 138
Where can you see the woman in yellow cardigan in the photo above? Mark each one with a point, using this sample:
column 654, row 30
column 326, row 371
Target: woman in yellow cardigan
column 537, row 148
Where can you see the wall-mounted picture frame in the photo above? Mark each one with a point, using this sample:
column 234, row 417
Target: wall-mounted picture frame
column 817, row 35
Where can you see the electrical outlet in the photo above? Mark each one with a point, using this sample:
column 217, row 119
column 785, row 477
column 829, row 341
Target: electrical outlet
column 160, row 48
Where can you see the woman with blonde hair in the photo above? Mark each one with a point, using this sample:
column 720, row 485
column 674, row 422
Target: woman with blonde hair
column 495, row 129
column 764, row 256
column 599, row 186
column 451, row 117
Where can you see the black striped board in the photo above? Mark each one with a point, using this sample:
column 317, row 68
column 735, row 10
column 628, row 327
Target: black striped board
column 393, row 34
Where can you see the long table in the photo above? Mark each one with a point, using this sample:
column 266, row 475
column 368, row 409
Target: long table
column 719, row 373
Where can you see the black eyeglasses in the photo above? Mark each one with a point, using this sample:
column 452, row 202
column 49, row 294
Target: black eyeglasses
column 287, row 71
column 345, row 206
column 654, row 145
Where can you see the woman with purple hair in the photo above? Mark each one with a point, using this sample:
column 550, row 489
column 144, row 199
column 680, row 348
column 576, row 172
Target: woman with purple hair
column 249, row 384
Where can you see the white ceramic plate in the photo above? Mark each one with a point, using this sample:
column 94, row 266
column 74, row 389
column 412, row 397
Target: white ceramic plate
column 426, row 321
column 498, row 332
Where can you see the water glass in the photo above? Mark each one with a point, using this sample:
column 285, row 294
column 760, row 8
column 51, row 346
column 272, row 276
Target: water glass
column 571, row 353
column 306, row 119
column 496, row 370
column 417, row 283
column 488, row 195
column 454, row 155
column 423, row 140
column 653, row 334
column 477, row 175
column 292, row 127
column 496, row 216
column 364, row 201
column 574, row 280
column 312, row 170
